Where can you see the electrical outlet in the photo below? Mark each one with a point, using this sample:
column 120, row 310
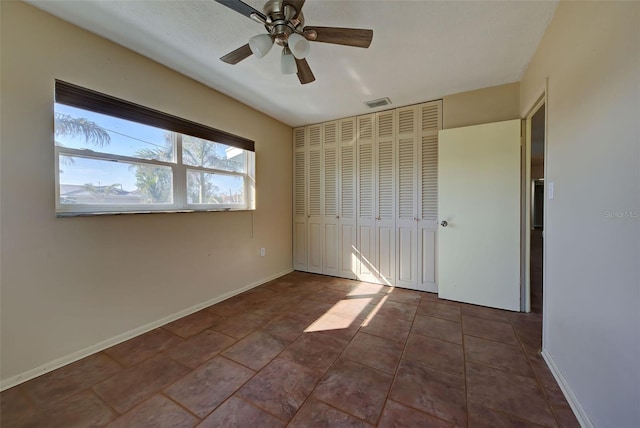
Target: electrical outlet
column 262, row 252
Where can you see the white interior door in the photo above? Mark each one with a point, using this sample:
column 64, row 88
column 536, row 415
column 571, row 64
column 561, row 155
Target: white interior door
column 479, row 199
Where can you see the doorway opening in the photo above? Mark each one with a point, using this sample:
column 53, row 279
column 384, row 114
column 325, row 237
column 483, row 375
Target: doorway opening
column 537, row 200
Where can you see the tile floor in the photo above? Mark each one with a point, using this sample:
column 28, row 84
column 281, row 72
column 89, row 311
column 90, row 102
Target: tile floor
column 309, row 351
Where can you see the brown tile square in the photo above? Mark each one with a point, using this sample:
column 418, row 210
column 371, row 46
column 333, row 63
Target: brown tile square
column 310, row 310
column 69, row 380
column 390, row 309
column 314, row 350
column 545, row 377
column 343, row 284
column 565, row 416
column 438, row 328
column 432, row 391
column 389, row 328
column 281, row 285
column 316, row 414
column 485, row 313
column 142, row 347
column 499, row 355
column 237, row 413
column 328, row 295
column 286, row 326
column 366, row 289
column 529, row 330
column 439, row 310
column 281, row 387
column 240, row 326
column 259, row 294
column 373, row 351
column 356, row 308
column 502, row 391
column 433, row 297
column 15, row 408
column 157, row 411
column 209, row 385
column 271, row 308
column 396, row 415
column 492, row 330
column 199, row 348
column 355, row 389
column 482, row 417
column 256, row 350
column 435, row 353
column 401, row 295
column 340, row 327
column 137, row 383
column 82, row 410
column 230, row 307
column 192, row 324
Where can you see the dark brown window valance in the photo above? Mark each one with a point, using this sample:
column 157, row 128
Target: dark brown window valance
column 77, row 96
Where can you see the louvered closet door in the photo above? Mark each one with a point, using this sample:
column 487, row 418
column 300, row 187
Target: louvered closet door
column 347, row 196
column 385, row 226
column 366, row 248
column 299, row 200
column 406, row 199
column 430, row 122
column 314, row 192
column 331, row 217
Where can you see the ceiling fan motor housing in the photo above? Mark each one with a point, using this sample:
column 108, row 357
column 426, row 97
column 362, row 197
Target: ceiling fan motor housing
column 281, row 22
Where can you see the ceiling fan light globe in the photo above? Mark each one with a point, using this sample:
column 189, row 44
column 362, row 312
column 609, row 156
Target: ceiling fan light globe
column 260, row 45
column 288, row 62
column 299, row 45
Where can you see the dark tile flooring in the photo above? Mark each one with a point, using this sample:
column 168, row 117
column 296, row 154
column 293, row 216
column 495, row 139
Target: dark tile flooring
column 310, row 351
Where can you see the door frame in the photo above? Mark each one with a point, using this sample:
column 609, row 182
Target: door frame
column 525, row 299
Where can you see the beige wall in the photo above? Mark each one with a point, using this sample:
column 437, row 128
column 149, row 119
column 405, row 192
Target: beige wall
column 591, row 57
column 70, row 283
column 494, row 104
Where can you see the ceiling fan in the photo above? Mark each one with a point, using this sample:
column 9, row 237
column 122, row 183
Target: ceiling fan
column 284, row 22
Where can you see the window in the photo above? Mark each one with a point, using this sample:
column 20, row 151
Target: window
column 113, row 156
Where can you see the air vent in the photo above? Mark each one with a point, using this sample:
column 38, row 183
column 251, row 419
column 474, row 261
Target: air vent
column 380, row 102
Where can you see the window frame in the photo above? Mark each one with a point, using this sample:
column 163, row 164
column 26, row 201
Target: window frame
column 86, row 99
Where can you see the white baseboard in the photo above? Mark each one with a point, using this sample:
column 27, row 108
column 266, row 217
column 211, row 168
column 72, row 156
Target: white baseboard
column 581, row 415
column 78, row 355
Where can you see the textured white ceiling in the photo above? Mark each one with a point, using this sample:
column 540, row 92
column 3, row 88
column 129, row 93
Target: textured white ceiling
column 421, row 50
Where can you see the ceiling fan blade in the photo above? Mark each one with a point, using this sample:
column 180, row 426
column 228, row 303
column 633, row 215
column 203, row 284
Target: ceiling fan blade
column 340, row 36
column 304, row 71
column 296, row 4
column 242, row 8
column 238, row 55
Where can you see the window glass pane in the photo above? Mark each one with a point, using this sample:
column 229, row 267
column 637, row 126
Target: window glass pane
column 82, row 129
column 207, row 154
column 206, row 188
column 92, row 181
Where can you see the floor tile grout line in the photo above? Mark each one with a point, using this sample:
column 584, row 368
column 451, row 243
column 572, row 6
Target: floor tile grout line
column 537, row 376
column 328, row 370
column 395, row 373
column 495, row 341
column 322, row 377
column 464, row 371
